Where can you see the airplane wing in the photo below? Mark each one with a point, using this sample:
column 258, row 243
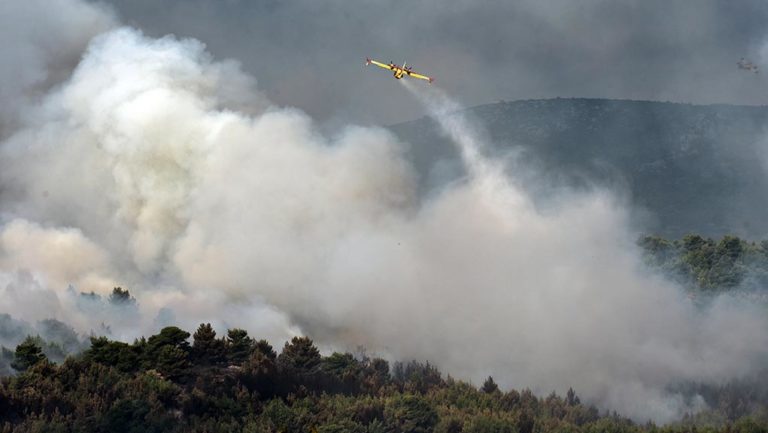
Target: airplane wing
column 379, row 64
column 419, row 76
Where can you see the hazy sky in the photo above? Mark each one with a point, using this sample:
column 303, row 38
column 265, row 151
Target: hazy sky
column 310, row 54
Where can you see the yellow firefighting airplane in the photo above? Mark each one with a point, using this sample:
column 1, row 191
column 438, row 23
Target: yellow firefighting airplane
column 400, row 71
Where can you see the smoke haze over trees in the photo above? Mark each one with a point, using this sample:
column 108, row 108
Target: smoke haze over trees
column 145, row 162
column 162, row 383
column 682, row 168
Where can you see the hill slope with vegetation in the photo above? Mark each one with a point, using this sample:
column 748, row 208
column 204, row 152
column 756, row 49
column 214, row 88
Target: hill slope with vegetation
column 177, row 381
column 685, row 168
column 709, row 266
column 236, row 383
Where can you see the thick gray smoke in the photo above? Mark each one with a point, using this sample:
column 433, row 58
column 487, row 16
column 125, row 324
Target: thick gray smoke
column 145, row 170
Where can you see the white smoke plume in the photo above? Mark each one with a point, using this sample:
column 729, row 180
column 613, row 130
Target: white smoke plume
column 159, row 169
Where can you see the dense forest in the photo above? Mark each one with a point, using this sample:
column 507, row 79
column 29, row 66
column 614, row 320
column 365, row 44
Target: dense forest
column 203, row 382
column 235, row 383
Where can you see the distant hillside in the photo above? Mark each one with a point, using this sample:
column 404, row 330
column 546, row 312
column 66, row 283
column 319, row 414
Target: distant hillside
column 686, row 168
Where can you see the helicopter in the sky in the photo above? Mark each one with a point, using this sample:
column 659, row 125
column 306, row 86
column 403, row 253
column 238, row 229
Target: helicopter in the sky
column 747, row 65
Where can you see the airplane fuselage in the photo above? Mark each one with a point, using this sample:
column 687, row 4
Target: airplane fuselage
column 399, row 71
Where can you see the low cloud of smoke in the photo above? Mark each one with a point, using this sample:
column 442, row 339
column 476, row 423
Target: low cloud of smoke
column 144, row 170
column 571, row 304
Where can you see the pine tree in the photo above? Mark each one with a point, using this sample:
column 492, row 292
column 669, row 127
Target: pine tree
column 27, row 354
column 489, row 386
column 206, row 349
column 239, row 345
